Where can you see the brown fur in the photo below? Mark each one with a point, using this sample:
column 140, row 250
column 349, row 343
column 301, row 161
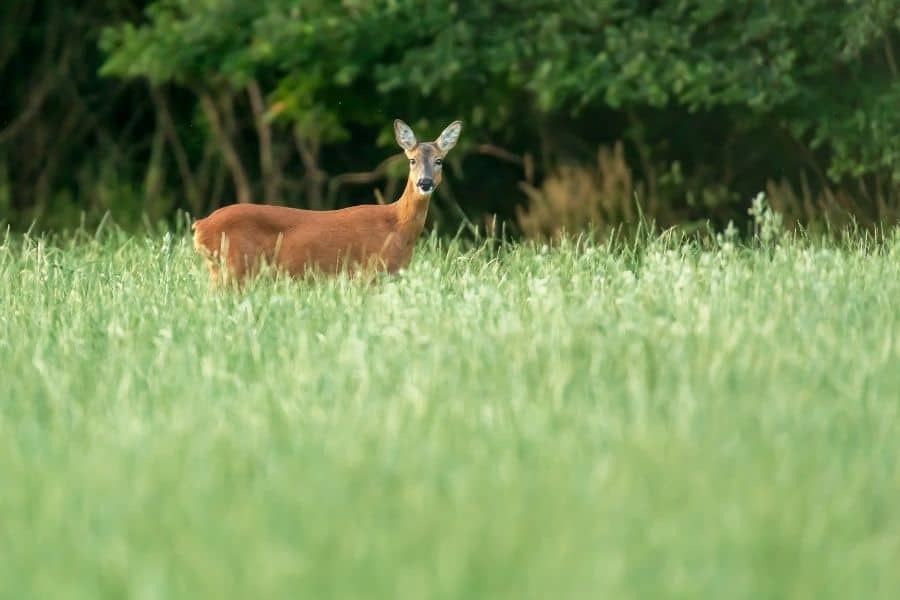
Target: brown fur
column 241, row 237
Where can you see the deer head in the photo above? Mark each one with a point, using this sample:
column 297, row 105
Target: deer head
column 426, row 158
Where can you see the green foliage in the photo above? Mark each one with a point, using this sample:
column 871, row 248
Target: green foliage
column 649, row 420
column 735, row 93
column 796, row 62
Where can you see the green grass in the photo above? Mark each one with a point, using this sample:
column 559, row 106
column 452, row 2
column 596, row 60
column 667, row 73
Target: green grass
column 587, row 421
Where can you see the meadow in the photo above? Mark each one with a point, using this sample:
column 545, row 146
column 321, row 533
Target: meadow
column 658, row 418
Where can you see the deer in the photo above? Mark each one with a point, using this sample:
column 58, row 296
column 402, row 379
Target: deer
column 237, row 240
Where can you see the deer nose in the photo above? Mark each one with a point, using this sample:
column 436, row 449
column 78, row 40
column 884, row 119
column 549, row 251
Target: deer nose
column 426, row 185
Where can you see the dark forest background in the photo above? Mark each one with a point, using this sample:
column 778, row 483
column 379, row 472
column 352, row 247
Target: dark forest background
column 577, row 113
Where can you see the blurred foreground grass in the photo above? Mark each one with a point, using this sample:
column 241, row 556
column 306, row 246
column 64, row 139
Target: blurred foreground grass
column 658, row 420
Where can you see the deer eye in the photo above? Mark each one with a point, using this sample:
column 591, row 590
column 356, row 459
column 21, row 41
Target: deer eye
column 438, row 161
column 412, row 161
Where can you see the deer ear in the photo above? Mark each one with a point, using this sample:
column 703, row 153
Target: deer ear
column 404, row 134
column 449, row 136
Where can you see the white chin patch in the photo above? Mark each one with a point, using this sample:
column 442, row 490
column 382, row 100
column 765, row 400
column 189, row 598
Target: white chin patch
column 423, row 192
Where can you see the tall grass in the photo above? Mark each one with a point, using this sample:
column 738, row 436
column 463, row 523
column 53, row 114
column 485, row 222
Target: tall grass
column 660, row 419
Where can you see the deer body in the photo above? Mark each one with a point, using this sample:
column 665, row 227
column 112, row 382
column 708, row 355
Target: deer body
column 241, row 237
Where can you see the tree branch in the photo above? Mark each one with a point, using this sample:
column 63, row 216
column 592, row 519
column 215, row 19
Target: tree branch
column 35, row 101
column 363, row 177
column 499, row 153
column 889, row 54
column 38, row 94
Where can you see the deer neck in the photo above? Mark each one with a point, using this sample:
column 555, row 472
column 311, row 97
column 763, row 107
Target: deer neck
column 412, row 208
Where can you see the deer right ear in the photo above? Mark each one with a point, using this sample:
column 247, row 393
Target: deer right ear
column 449, row 136
column 405, row 136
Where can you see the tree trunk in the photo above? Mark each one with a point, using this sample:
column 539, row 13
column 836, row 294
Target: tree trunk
column 153, row 179
column 315, row 177
column 164, row 119
column 268, row 166
column 229, row 153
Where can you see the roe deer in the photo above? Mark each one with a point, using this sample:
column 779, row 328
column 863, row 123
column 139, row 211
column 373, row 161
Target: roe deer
column 240, row 237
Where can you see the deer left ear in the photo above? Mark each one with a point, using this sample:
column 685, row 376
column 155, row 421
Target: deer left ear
column 404, row 134
column 449, row 136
